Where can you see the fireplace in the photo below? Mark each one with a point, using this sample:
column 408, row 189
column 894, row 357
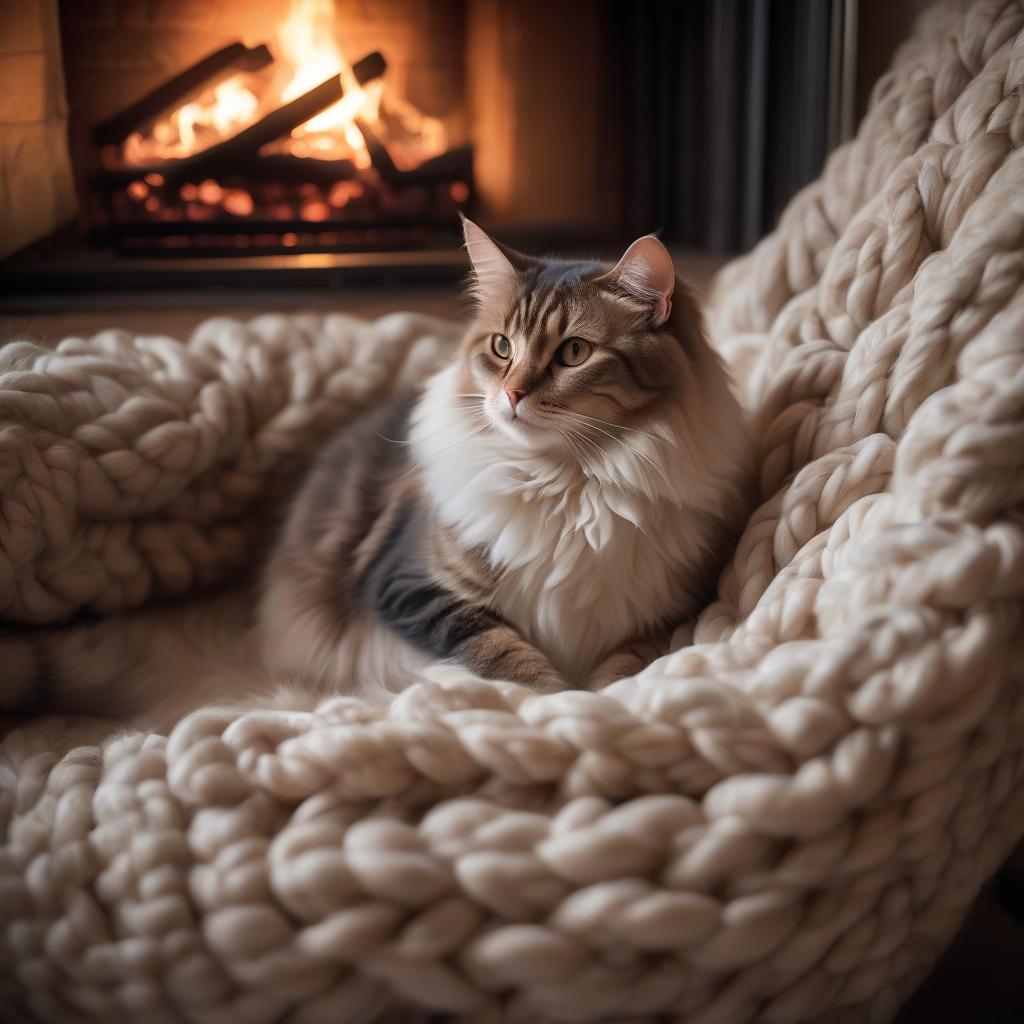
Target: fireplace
column 322, row 141
column 225, row 142
column 285, row 145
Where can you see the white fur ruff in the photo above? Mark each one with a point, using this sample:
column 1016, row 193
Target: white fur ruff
column 589, row 555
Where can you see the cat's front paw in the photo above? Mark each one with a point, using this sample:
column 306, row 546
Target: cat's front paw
column 446, row 674
column 456, row 687
column 618, row 665
column 544, row 682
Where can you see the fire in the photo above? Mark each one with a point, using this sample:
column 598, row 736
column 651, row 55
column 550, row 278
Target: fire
column 232, row 108
column 307, row 47
column 307, row 41
column 217, row 114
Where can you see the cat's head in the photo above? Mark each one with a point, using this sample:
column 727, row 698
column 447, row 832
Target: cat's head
column 563, row 353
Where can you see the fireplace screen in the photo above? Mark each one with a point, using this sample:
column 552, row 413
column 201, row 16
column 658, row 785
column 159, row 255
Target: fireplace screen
column 280, row 146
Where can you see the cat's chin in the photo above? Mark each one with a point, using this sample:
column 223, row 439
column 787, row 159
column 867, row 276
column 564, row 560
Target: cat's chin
column 536, row 437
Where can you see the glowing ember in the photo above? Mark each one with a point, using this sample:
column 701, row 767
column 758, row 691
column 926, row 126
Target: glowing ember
column 343, row 191
column 307, row 49
column 210, row 192
column 315, row 211
column 238, row 202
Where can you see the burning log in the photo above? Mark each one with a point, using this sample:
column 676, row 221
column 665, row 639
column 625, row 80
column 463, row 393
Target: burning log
column 210, row 70
column 456, row 163
column 282, row 121
column 244, row 147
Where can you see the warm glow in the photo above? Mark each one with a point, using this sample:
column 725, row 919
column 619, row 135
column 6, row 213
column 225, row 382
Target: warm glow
column 307, row 45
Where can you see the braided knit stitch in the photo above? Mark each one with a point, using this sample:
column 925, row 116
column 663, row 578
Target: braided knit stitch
column 783, row 823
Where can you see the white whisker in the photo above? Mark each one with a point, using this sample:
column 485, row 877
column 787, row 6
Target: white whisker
column 571, row 439
column 478, row 415
column 600, row 451
column 459, row 440
column 619, row 426
column 643, row 456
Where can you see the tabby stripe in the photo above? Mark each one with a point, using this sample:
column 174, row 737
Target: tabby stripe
column 546, row 302
column 563, row 321
column 430, row 616
column 406, row 596
column 522, row 312
column 631, row 370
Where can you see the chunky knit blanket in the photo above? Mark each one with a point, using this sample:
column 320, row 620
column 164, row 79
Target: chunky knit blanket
column 782, row 822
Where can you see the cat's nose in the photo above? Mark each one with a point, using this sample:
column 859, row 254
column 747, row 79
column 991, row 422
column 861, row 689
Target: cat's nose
column 515, row 396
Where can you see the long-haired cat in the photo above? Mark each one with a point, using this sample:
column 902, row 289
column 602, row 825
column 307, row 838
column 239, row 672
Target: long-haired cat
column 553, row 504
column 546, row 511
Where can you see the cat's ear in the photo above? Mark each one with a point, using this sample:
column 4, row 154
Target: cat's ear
column 646, row 272
column 493, row 271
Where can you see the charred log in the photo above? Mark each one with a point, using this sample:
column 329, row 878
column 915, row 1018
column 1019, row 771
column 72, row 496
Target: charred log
column 286, row 119
column 209, row 71
column 453, row 164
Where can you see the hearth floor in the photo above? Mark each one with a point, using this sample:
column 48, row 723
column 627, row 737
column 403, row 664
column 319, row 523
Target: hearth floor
column 177, row 314
column 46, row 319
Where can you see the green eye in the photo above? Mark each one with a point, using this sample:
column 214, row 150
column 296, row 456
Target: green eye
column 575, row 351
column 501, row 346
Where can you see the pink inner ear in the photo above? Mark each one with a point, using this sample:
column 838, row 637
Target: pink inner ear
column 646, row 270
column 491, row 267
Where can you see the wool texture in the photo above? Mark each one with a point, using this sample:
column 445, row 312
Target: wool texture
column 783, row 822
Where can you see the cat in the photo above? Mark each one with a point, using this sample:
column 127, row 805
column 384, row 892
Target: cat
column 554, row 503
column 544, row 512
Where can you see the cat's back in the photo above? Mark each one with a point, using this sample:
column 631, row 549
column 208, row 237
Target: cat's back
column 346, row 486
column 311, row 619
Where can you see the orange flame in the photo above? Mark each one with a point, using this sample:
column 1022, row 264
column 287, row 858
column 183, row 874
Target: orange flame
column 307, row 41
column 308, row 46
column 218, row 114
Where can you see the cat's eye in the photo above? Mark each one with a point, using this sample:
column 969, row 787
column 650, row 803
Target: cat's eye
column 501, row 346
column 574, row 351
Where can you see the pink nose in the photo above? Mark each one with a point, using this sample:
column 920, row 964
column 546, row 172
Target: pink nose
column 515, row 397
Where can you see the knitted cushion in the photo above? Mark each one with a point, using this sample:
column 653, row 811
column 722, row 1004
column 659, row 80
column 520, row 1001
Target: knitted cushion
column 784, row 822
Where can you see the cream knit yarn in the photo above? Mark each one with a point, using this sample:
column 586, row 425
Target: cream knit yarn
column 784, row 822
